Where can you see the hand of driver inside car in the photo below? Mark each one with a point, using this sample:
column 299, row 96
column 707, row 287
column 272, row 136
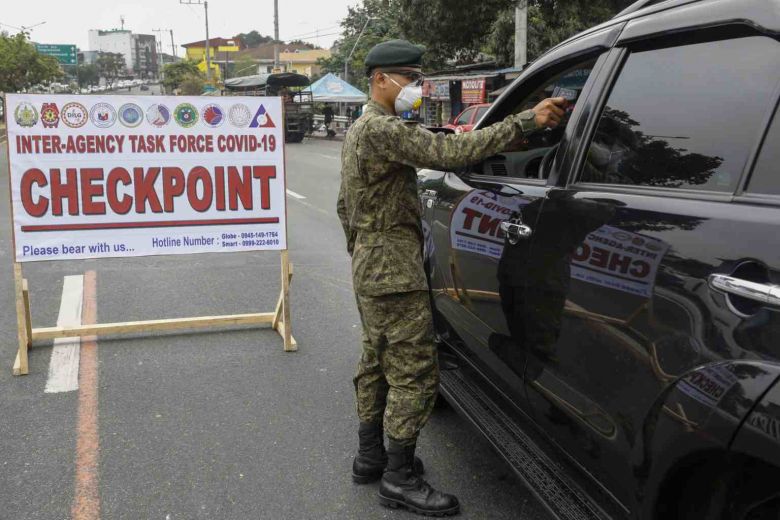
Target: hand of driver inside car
column 549, row 112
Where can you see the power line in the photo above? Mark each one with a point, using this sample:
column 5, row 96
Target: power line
column 314, row 32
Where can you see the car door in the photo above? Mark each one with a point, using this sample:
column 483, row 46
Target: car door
column 638, row 257
column 469, row 213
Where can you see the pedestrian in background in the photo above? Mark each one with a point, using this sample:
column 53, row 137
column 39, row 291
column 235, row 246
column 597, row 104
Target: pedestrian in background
column 397, row 378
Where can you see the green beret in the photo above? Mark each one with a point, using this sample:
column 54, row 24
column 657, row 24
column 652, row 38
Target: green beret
column 394, row 53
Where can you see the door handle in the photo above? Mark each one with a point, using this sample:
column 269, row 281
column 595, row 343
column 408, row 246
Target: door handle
column 765, row 293
column 515, row 230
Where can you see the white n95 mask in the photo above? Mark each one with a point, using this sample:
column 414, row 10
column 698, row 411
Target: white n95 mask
column 410, row 97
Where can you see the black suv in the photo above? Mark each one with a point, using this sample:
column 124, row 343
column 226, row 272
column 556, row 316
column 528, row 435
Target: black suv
column 608, row 295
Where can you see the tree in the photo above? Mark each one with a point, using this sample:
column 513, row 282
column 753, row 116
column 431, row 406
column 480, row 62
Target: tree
column 87, row 75
column 382, row 27
column 177, row 73
column 22, row 66
column 243, row 67
column 254, row 39
column 192, row 86
column 303, row 43
column 110, row 65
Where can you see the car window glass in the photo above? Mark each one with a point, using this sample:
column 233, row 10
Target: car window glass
column 766, row 175
column 526, row 161
column 684, row 117
column 465, row 117
column 480, row 112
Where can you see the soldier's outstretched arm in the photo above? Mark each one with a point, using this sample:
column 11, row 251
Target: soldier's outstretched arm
column 416, row 146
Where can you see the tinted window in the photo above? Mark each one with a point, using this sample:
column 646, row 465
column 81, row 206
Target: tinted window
column 685, row 117
column 766, row 176
column 465, row 117
column 480, row 112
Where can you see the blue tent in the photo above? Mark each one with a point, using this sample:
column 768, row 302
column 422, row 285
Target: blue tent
column 332, row 89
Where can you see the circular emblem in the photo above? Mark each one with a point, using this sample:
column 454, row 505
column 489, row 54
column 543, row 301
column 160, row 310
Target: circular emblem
column 240, row 115
column 622, row 235
column 131, row 115
column 26, row 114
column 50, row 115
column 186, row 115
column 158, row 115
column 103, row 115
column 74, row 115
column 212, row 115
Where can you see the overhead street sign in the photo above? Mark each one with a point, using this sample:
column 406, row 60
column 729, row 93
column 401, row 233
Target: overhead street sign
column 65, row 54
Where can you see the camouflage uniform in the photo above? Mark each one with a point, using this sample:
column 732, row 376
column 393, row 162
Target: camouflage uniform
column 398, row 373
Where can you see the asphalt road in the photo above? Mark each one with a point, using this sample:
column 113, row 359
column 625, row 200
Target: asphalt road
column 220, row 425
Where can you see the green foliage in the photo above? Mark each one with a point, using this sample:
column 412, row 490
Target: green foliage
column 192, row 86
column 110, row 65
column 177, row 73
column 254, row 39
column 459, row 30
column 88, row 75
column 21, row 66
column 450, row 29
column 303, row 43
column 383, row 26
column 243, row 67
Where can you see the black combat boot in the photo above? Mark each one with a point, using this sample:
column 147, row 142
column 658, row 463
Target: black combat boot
column 402, row 487
column 371, row 459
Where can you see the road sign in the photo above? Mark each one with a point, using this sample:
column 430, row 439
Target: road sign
column 65, row 54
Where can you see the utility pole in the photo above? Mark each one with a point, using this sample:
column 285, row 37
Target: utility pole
column 160, row 60
column 276, row 34
column 206, row 11
column 173, row 47
column 521, row 33
column 346, row 62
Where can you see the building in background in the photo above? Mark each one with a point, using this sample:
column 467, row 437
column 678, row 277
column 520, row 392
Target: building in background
column 139, row 50
column 303, row 61
column 196, row 51
column 88, row 57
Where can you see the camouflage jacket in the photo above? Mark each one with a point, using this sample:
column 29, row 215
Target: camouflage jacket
column 378, row 204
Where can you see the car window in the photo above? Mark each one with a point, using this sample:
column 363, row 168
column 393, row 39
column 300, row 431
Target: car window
column 465, row 117
column 685, row 117
column 480, row 112
column 766, row 175
column 526, row 161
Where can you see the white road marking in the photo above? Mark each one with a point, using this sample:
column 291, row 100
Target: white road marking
column 298, row 196
column 64, row 364
column 333, row 157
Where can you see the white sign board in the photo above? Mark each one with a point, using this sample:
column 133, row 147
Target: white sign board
column 476, row 220
column 609, row 257
column 618, row 259
column 109, row 176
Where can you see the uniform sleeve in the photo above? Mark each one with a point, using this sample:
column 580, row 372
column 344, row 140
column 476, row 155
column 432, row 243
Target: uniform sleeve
column 417, row 146
column 341, row 209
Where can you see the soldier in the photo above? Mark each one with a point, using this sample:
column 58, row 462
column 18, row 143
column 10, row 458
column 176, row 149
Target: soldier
column 398, row 374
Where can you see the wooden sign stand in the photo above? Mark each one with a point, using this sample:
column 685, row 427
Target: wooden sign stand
column 279, row 320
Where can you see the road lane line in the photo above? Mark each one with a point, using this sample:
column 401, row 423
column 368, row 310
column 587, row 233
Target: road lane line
column 298, row 196
column 64, row 363
column 86, row 500
column 332, row 157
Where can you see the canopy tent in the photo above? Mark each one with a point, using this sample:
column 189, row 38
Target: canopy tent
column 332, row 89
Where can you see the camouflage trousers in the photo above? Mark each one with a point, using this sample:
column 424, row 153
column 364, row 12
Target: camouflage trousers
column 397, row 378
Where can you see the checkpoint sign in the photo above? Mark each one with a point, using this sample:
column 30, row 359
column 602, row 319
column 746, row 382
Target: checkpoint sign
column 116, row 176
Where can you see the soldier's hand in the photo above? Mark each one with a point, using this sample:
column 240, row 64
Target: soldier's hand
column 550, row 112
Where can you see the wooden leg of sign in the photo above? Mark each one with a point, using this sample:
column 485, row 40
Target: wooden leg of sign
column 27, row 315
column 20, row 364
column 282, row 323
